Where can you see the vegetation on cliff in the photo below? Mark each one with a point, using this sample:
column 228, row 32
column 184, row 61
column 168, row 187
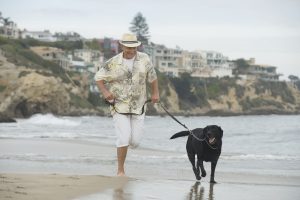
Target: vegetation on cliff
column 68, row 93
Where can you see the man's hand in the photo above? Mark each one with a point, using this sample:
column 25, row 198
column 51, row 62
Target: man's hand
column 154, row 91
column 108, row 96
column 155, row 98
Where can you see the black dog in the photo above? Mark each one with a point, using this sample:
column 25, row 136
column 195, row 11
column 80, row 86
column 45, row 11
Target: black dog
column 206, row 144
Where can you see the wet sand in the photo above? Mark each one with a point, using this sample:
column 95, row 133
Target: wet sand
column 90, row 187
column 54, row 186
column 38, row 179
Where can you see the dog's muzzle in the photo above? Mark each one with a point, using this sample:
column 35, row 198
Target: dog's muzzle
column 212, row 140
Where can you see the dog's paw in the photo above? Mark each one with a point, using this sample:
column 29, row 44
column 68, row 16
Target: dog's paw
column 203, row 173
column 197, row 173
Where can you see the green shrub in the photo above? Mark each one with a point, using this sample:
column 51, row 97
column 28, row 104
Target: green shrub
column 277, row 89
column 79, row 102
column 18, row 52
column 248, row 103
column 96, row 100
column 23, row 73
column 2, row 88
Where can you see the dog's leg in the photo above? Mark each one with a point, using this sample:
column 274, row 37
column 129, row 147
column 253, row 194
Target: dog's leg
column 196, row 170
column 212, row 173
column 203, row 172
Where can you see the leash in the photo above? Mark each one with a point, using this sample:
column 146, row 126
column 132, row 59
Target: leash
column 164, row 108
column 173, row 117
column 190, row 131
column 114, row 102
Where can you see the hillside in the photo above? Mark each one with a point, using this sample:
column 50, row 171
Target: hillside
column 29, row 85
column 231, row 96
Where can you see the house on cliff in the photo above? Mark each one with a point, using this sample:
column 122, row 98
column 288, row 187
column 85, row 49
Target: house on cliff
column 260, row 72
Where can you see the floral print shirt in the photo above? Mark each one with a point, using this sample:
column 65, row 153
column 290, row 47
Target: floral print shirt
column 128, row 87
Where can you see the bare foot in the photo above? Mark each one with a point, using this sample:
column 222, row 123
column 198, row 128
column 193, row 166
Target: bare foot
column 121, row 174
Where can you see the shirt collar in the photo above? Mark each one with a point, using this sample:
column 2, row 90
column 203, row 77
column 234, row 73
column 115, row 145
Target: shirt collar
column 120, row 57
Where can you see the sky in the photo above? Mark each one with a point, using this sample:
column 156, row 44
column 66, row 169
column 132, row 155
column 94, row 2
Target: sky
column 267, row 30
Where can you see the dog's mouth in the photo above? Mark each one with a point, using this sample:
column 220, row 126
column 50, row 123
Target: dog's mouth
column 212, row 140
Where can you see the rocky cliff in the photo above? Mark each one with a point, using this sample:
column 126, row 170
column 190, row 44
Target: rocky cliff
column 231, row 96
column 25, row 91
column 30, row 85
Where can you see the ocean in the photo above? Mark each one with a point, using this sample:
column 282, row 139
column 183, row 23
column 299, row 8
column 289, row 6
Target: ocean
column 266, row 144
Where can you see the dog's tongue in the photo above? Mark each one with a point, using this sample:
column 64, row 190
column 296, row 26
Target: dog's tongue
column 211, row 140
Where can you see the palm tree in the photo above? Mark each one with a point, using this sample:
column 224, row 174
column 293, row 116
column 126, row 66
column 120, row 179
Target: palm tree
column 6, row 21
column 1, row 18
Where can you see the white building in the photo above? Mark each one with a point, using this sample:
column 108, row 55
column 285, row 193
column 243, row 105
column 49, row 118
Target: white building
column 44, row 36
column 173, row 62
column 214, row 58
column 68, row 36
column 168, row 61
column 9, row 29
column 92, row 57
column 53, row 54
column 88, row 55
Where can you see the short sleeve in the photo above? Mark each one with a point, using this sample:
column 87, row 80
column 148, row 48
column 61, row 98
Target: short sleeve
column 151, row 74
column 104, row 73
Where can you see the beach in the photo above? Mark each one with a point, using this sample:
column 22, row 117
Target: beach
column 55, row 186
column 89, row 187
column 21, row 180
column 49, row 157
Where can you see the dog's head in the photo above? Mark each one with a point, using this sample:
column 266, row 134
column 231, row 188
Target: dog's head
column 213, row 133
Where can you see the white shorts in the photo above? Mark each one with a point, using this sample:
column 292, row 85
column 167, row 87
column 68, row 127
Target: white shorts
column 129, row 129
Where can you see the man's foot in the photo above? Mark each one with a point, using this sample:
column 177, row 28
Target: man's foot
column 121, row 174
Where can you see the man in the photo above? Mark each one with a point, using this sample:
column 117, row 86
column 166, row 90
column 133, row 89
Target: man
column 122, row 82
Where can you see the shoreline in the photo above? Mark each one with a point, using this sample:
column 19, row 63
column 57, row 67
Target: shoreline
column 83, row 170
column 27, row 186
column 213, row 113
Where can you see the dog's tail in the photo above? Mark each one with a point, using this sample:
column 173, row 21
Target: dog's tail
column 180, row 134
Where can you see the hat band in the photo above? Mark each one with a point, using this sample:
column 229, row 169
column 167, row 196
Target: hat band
column 129, row 42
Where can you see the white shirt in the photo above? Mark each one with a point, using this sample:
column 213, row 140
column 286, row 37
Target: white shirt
column 128, row 63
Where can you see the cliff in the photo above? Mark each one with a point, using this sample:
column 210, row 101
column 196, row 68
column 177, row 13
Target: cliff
column 29, row 85
column 229, row 96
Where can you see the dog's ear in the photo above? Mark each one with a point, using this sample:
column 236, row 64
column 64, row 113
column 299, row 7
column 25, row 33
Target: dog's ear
column 205, row 130
column 221, row 131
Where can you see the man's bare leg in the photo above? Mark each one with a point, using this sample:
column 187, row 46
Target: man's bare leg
column 121, row 153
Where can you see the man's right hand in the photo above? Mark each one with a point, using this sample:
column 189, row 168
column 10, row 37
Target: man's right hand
column 108, row 96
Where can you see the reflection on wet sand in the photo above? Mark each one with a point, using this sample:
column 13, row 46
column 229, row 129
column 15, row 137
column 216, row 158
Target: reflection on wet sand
column 197, row 193
column 119, row 194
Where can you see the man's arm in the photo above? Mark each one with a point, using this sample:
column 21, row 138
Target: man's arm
column 154, row 91
column 105, row 92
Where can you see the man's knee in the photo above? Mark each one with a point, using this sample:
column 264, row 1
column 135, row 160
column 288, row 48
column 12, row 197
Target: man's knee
column 121, row 142
column 134, row 144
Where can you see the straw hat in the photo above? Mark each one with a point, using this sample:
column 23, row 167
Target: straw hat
column 129, row 40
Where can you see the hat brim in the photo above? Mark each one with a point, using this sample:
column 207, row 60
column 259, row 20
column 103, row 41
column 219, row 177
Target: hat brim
column 131, row 44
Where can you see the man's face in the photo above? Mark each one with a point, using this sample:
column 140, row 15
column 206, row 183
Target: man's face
column 129, row 52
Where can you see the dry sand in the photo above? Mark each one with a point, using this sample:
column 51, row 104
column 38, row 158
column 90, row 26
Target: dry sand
column 54, row 186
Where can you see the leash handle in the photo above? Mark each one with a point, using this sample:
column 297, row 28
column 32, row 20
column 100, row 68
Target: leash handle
column 110, row 103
